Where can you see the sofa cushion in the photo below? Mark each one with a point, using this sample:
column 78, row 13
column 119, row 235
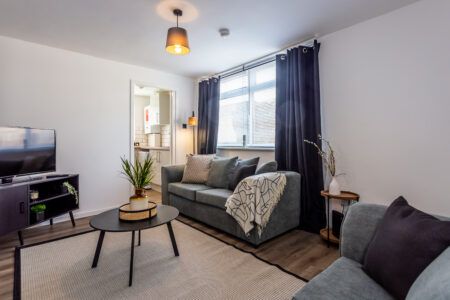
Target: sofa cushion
column 249, row 161
column 433, row 282
column 405, row 242
column 268, row 167
column 344, row 279
column 214, row 197
column 241, row 172
column 197, row 168
column 186, row 190
column 221, row 171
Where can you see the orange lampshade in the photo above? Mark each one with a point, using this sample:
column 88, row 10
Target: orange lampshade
column 192, row 121
column 177, row 41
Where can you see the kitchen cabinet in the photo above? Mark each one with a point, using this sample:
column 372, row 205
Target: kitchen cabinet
column 160, row 158
column 157, row 113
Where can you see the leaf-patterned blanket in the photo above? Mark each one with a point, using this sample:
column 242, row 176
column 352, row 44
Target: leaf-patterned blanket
column 254, row 200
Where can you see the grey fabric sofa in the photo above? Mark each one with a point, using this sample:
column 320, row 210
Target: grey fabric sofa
column 345, row 279
column 207, row 205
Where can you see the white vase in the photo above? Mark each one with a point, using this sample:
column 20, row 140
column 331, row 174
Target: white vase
column 334, row 188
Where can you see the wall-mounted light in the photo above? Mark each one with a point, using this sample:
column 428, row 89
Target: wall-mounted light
column 177, row 41
column 192, row 121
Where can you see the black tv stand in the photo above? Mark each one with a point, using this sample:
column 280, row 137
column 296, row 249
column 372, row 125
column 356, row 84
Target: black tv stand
column 15, row 202
column 6, row 180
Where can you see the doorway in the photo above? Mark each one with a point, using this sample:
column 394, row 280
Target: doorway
column 152, row 128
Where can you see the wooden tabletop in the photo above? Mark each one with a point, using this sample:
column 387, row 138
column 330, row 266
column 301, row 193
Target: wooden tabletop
column 344, row 195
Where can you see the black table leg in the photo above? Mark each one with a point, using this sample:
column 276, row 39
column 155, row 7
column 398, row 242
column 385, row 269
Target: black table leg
column 51, row 221
column 99, row 248
column 172, row 238
column 139, row 240
column 19, row 233
column 71, row 218
column 131, row 259
column 328, row 221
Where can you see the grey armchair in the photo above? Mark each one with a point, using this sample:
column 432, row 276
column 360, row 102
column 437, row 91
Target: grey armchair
column 345, row 279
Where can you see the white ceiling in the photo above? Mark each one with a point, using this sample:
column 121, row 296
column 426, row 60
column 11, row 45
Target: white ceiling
column 134, row 31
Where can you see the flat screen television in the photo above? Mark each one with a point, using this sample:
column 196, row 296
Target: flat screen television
column 25, row 151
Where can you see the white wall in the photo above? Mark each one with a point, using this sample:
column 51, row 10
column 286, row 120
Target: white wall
column 385, row 87
column 87, row 101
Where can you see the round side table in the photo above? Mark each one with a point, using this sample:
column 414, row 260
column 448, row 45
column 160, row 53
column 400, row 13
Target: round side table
column 326, row 233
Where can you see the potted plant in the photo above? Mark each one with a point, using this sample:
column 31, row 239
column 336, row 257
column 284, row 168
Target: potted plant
column 71, row 190
column 139, row 175
column 330, row 162
column 39, row 211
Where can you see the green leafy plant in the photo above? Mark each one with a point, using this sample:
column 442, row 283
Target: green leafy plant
column 38, row 208
column 138, row 174
column 327, row 156
column 72, row 190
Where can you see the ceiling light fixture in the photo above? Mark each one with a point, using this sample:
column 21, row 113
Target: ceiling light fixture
column 177, row 41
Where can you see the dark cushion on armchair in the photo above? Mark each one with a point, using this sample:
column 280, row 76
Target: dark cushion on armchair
column 405, row 242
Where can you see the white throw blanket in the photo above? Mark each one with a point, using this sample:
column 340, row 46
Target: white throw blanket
column 254, row 200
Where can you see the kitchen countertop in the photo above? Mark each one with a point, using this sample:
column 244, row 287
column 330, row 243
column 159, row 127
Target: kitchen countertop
column 152, row 148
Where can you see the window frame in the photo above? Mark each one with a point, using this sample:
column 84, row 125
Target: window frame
column 249, row 90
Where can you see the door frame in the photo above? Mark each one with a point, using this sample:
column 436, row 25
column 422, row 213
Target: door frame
column 173, row 137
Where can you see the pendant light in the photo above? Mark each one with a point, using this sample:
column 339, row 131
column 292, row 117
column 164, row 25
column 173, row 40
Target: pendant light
column 177, row 41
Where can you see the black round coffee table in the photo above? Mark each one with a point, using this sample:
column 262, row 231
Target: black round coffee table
column 108, row 221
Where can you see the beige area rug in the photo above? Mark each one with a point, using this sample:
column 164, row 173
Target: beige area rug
column 206, row 269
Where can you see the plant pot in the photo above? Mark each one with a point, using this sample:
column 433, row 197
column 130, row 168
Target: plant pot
column 139, row 200
column 334, row 188
column 40, row 216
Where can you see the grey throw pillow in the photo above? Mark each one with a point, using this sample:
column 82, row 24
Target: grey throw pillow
column 248, row 162
column 220, row 172
column 271, row 166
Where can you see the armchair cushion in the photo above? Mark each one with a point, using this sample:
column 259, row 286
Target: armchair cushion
column 433, row 282
column 405, row 242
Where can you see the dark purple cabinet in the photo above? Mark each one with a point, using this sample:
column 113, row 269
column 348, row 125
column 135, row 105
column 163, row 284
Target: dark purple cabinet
column 13, row 208
column 15, row 202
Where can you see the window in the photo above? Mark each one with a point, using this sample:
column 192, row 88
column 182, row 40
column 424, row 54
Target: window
column 247, row 108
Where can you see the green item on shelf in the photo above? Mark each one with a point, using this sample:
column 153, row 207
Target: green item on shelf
column 38, row 208
column 71, row 190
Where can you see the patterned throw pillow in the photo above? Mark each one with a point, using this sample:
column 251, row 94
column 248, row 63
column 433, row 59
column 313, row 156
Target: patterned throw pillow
column 197, row 168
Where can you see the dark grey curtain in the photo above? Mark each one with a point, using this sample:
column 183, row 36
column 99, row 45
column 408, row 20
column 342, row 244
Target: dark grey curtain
column 298, row 118
column 208, row 115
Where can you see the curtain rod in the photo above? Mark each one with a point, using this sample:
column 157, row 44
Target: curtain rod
column 305, row 42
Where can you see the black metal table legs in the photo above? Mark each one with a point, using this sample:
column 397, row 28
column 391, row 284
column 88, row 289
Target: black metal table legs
column 98, row 249
column 100, row 243
column 172, row 238
column 130, row 282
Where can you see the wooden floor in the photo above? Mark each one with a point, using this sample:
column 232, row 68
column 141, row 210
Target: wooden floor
column 299, row 252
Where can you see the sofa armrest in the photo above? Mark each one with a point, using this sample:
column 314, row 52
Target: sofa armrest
column 358, row 228
column 170, row 174
column 290, row 200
